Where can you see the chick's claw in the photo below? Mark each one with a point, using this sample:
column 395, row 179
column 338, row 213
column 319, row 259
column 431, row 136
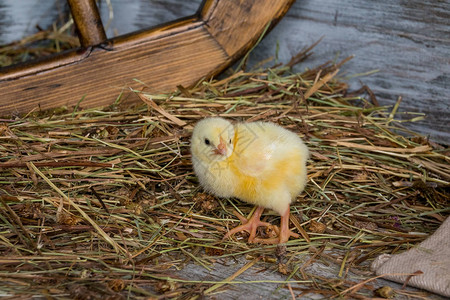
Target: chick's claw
column 249, row 225
column 284, row 234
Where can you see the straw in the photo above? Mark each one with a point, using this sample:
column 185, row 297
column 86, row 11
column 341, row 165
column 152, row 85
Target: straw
column 104, row 202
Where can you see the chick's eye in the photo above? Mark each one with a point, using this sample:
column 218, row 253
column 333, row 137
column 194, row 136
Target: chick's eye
column 230, row 141
column 207, row 142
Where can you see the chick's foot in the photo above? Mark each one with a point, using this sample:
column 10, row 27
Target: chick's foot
column 284, row 234
column 249, row 225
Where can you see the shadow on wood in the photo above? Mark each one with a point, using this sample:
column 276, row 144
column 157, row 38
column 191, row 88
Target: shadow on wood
column 178, row 53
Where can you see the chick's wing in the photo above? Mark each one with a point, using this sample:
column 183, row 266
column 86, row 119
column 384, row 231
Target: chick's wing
column 257, row 149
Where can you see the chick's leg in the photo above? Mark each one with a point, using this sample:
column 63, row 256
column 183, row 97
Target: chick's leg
column 285, row 232
column 249, row 225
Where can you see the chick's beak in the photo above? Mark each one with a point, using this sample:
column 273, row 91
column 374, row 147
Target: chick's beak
column 221, row 148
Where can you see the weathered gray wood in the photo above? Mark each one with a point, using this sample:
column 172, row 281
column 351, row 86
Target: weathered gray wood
column 407, row 41
column 270, row 286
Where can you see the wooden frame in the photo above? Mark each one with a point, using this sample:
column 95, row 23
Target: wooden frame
column 179, row 53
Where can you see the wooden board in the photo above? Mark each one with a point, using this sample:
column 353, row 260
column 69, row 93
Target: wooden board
column 270, row 285
column 179, row 53
column 102, row 75
column 248, row 14
column 407, row 42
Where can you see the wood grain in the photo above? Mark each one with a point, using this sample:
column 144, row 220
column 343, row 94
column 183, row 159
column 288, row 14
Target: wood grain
column 406, row 42
column 178, row 53
column 247, row 18
column 100, row 78
column 88, row 22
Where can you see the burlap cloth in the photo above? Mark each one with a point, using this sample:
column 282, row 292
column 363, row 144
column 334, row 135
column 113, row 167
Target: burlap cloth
column 432, row 257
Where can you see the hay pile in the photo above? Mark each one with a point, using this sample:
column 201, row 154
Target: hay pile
column 39, row 44
column 103, row 203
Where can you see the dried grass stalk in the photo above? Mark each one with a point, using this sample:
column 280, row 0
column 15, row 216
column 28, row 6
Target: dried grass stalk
column 103, row 202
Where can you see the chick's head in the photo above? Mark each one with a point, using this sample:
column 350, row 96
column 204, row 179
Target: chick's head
column 212, row 140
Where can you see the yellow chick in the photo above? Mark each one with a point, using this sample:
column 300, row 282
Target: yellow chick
column 260, row 163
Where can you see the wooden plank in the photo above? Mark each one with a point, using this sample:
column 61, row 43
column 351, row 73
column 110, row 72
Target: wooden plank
column 161, row 64
column 233, row 23
column 408, row 42
column 179, row 53
column 263, row 281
